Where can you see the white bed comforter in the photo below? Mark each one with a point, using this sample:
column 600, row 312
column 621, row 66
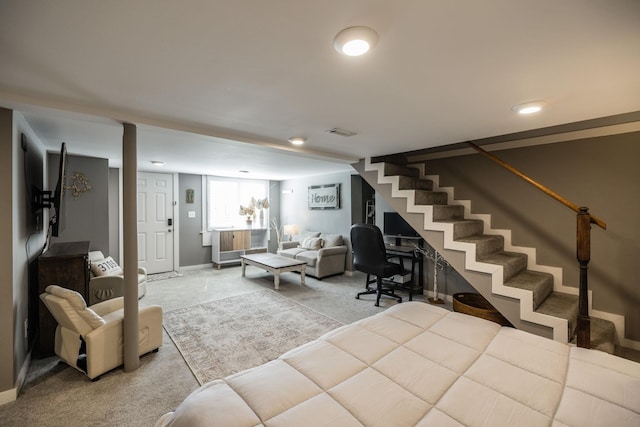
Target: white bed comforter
column 417, row 364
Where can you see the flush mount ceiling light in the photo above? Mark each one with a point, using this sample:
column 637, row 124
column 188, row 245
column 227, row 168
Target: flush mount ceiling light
column 297, row 140
column 157, row 162
column 528, row 107
column 355, row 41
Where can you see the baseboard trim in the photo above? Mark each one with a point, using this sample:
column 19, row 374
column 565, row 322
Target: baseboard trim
column 11, row 395
column 195, row 267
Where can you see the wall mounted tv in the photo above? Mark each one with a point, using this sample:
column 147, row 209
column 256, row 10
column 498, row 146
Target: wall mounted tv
column 53, row 199
column 395, row 225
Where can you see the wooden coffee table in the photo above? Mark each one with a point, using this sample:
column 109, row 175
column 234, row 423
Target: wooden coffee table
column 274, row 264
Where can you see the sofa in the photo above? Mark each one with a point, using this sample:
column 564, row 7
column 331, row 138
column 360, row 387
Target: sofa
column 417, row 364
column 324, row 253
column 106, row 279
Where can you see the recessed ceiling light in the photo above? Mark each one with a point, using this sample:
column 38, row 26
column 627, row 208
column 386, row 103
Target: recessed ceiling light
column 297, row 140
column 528, row 107
column 355, row 41
column 157, row 162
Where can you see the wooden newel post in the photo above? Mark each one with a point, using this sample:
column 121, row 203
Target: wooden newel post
column 584, row 255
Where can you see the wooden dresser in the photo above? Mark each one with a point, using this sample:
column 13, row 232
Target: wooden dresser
column 66, row 265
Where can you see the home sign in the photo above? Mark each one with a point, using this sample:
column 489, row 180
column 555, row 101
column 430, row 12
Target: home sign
column 324, row 196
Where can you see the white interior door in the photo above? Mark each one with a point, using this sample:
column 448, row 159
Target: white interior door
column 155, row 222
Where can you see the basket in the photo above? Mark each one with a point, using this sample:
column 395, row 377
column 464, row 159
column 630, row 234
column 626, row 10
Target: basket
column 476, row 305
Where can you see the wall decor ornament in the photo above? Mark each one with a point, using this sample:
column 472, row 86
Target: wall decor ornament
column 324, row 196
column 191, row 193
column 79, row 185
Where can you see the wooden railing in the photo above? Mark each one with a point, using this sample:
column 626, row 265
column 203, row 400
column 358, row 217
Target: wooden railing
column 583, row 243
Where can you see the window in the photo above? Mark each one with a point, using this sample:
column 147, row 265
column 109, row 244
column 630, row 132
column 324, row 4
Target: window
column 225, row 195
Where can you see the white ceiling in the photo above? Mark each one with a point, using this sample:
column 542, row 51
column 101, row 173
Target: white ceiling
column 196, row 75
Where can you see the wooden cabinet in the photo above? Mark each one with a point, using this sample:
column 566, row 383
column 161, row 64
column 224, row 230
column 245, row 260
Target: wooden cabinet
column 227, row 245
column 235, row 240
column 65, row 265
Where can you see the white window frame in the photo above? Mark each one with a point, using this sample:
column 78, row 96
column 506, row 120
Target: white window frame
column 234, row 219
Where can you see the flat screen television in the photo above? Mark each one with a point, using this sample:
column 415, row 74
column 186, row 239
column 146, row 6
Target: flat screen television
column 54, row 199
column 395, row 225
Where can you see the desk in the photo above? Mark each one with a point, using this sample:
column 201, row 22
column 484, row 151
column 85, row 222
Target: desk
column 408, row 252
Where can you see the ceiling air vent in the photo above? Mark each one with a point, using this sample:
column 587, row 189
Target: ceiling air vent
column 341, row 132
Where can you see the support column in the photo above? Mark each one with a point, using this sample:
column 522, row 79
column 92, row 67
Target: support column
column 130, row 245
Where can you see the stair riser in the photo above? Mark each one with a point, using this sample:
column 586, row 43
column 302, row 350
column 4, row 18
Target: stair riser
column 430, row 198
column 489, row 246
column 391, row 169
column 467, row 228
column 408, row 183
column 448, row 212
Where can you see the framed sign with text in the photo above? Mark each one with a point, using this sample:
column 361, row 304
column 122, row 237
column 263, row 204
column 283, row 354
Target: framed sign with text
column 324, row 196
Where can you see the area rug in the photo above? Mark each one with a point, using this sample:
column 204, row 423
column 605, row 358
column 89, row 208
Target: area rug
column 226, row 336
column 162, row 276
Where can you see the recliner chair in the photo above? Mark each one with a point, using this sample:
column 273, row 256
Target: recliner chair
column 107, row 280
column 370, row 256
column 90, row 339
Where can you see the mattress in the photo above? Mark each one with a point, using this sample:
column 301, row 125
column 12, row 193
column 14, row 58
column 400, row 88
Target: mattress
column 421, row 365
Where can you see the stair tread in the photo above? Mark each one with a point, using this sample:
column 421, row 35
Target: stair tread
column 602, row 334
column 539, row 283
column 503, row 257
column 561, row 305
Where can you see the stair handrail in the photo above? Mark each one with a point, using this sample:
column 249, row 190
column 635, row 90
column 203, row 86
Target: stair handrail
column 583, row 245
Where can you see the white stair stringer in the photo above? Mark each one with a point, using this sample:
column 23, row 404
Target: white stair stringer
column 558, row 326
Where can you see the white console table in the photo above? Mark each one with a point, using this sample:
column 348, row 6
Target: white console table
column 229, row 244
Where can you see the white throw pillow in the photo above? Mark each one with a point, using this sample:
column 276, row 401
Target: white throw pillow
column 106, row 267
column 312, row 243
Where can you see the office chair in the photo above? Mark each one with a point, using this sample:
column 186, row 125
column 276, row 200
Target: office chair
column 370, row 257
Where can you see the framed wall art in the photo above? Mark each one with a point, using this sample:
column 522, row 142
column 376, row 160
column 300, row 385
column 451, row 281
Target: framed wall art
column 324, row 196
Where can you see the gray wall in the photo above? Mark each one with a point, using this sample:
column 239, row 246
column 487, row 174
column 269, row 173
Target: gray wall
column 600, row 173
column 191, row 250
column 294, row 208
column 21, row 243
column 114, row 214
column 87, row 217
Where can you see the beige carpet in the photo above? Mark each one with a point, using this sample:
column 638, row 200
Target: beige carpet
column 229, row 335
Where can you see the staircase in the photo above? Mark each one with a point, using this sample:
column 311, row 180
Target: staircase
column 529, row 295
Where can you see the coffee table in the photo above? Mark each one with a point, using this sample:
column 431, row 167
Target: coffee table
column 274, row 264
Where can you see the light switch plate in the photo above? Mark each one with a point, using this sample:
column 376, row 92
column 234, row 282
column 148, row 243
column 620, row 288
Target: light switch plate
column 192, row 214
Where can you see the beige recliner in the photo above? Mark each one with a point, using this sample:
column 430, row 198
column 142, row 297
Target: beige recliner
column 91, row 338
column 107, row 280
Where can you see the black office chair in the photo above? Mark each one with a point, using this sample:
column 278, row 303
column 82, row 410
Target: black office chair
column 370, row 256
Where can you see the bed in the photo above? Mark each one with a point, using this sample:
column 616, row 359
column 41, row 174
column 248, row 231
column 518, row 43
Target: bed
column 421, row 365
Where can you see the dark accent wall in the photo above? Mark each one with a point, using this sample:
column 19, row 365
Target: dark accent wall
column 601, row 173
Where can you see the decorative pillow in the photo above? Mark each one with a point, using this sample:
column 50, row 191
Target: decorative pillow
column 312, row 243
column 106, row 267
column 307, row 234
column 95, row 256
column 331, row 240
